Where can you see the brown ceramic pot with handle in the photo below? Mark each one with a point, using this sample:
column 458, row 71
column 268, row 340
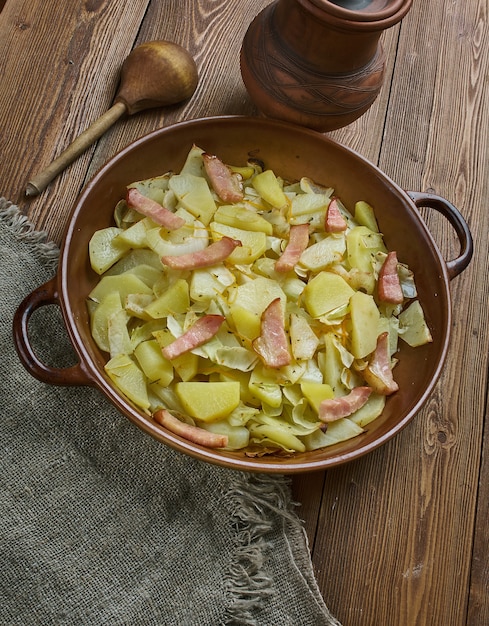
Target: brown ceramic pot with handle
column 292, row 152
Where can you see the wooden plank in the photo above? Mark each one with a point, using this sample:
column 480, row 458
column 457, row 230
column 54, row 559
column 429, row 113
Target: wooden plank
column 196, row 27
column 478, row 609
column 408, row 510
column 456, row 166
column 46, row 56
column 307, row 492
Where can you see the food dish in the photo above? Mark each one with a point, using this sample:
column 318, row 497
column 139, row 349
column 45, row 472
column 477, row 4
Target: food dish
column 292, row 152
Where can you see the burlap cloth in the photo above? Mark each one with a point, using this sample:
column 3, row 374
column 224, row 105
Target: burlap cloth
column 100, row 524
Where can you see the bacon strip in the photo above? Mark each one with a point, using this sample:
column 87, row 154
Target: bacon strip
column 199, row 333
column 335, row 408
column 378, row 373
column 298, row 241
column 187, row 431
column 213, row 254
column 151, row 208
column 389, row 285
column 335, row 222
column 271, row 346
column 226, row 184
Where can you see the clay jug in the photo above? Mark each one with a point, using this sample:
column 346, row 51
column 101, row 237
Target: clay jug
column 318, row 63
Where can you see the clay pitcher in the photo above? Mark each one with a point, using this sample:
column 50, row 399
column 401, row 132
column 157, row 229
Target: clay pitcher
column 318, row 63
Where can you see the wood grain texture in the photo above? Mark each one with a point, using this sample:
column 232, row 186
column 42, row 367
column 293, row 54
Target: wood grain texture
column 416, row 569
column 478, row 607
column 68, row 61
column 198, row 27
column 399, row 537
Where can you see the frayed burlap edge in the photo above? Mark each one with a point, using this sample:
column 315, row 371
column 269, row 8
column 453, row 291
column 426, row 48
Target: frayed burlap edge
column 248, row 584
column 45, row 251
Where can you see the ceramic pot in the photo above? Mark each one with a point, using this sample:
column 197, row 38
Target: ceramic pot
column 292, row 152
column 318, row 63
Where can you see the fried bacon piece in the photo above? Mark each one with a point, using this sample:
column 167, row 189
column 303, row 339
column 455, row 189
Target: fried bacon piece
column 150, row 208
column 335, row 408
column 378, row 373
column 298, row 241
column 271, row 346
column 389, row 285
column 199, row 333
column 335, row 222
column 213, row 254
column 191, row 433
column 225, row 183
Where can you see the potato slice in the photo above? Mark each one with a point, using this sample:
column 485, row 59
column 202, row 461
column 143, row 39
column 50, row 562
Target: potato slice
column 186, row 365
column 194, row 195
column 413, row 328
column 153, row 363
column 365, row 216
column 127, row 377
column 326, row 292
column 362, row 245
column 135, row 235
column 124, row 284
column 175, row 299
column 323, row 253
column 99, row 319
column 365, row 321
column 240, row 217
column 208, row 401
column 106, row 248
column 315, row 393
column 253, row 243
column 269, row 188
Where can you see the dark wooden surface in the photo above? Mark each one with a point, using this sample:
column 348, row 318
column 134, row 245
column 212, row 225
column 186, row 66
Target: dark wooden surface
column 399, row 537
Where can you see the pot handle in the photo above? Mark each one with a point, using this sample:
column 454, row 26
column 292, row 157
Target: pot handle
column 453, row 215
column 42, row 296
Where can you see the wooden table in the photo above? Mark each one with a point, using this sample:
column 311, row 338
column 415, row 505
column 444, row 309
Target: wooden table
column 399, row 537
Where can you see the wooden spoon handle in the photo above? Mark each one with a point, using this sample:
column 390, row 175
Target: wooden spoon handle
column 79, row 145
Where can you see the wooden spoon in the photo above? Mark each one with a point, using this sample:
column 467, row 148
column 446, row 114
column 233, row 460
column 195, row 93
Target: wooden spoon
column 156, row 73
